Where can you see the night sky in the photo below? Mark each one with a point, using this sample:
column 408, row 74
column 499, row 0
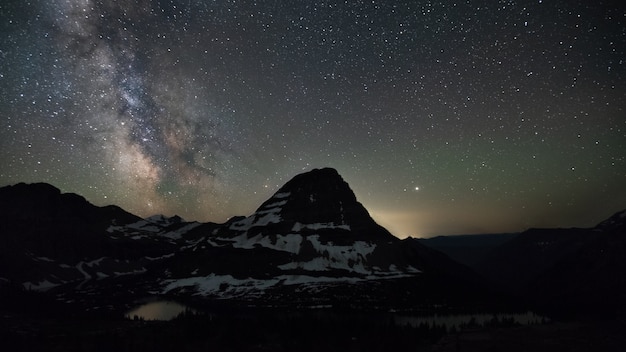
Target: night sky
column 444, row 117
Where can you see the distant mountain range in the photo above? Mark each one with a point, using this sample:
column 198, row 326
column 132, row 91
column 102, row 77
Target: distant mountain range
column 468, row 249
column 311, row 244
column 569, row 272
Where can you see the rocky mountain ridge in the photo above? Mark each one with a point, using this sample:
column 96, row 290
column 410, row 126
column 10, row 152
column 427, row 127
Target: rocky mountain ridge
column 565, row 271
column 310, row 243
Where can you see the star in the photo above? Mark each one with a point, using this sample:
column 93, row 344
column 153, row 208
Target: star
column 204, row 109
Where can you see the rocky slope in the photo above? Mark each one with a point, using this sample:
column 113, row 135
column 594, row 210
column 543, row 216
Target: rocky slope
column 567, row 271
column 312, row 243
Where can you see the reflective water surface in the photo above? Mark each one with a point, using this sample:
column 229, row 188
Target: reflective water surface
column 460, row 320
column 157, row 310
column 168, row 310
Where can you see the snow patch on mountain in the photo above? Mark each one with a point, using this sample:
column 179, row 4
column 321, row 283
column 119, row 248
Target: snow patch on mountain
column 178, row 234
column 227, row 286
column 145, row 225
column 281, row 195
column 307, row 280
column 350, row 258
column 43, row 285
column 141, row 270
column 288, row 243
column 357, row 252
column 297, row 227
column 44, row 259
column 273, row 206
column 154, row 224
column 141, row 225
column 325, row 264
column 165, row 256
column 260, row 218
column 268, row 214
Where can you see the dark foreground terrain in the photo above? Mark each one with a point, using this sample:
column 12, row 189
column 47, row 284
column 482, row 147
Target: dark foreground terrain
column 309, row 270
column 557, row 336
column 35, row 321
column 242, row 331
column 324, row 330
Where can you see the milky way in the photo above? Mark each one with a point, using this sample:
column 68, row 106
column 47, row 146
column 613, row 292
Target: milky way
column 444, row 117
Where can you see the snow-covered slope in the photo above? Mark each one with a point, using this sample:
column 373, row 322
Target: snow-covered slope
column 311, row 239
column 311, row 232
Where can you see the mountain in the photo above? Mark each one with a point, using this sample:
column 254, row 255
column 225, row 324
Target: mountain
column 313, row 238
column 312, row 225
column 312, row 243
column 50, row 239
column 577, row 271
column 467, row 249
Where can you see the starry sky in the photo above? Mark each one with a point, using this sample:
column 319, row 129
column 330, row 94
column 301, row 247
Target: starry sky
column 445, row 117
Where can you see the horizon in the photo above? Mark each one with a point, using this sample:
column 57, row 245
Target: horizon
column 443, row 117
column 374, row 216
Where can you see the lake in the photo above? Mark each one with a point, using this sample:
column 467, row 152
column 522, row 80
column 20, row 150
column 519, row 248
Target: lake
column 458, row 320
column 158, row 310
column 168, row 310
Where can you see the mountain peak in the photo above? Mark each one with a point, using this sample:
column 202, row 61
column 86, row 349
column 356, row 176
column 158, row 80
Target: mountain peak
column 318, row 183
column 316, row 196
column 615, row 223
column 45, row 202
column 319, row 198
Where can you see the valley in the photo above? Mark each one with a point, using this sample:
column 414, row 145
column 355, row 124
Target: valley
column 310, row 261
